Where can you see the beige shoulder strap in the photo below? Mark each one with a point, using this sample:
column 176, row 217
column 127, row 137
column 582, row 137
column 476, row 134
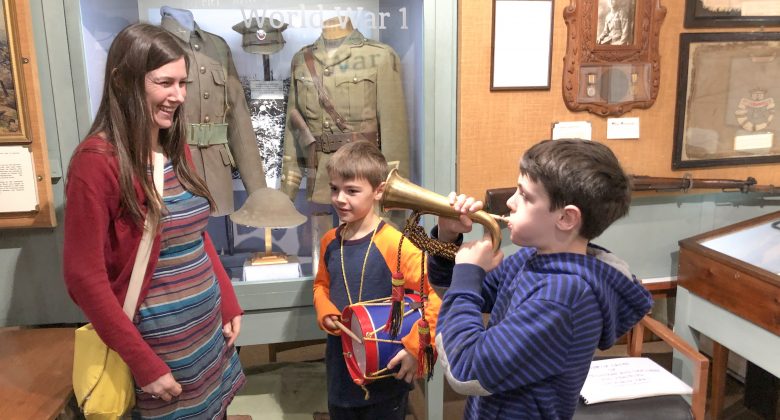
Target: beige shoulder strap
column 145, row 248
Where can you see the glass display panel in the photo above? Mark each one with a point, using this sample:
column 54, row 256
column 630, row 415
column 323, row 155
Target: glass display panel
column 266, row 39
column 757, row 245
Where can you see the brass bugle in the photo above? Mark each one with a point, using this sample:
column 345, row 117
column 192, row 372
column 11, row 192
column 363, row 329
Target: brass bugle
column 402, row 194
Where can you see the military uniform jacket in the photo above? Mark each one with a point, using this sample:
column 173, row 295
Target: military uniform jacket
column 363, row 80
column 219, row 131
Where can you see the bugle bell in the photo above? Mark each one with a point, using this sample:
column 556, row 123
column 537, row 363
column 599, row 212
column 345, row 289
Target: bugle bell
column 400, row 193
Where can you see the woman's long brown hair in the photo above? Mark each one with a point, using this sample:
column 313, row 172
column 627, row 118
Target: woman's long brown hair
column 126, row 121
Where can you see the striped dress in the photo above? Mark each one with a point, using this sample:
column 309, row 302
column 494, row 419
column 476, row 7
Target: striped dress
column 181, row 320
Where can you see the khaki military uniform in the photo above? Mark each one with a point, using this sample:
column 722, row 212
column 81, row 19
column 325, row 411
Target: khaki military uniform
column 219, row 129
column 362, row 77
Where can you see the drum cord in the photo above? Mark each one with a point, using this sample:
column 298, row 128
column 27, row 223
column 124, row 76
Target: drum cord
column 365, row 260
column 420, row 239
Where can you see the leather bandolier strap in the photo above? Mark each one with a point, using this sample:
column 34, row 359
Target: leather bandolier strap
column 329, row 143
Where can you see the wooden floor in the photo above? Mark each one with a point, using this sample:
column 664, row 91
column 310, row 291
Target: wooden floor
column 254, row 358
column 455, row 403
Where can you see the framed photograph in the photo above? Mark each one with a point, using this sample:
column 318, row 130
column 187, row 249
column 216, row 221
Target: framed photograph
column 13, row 115
column 612, row 63
column 522, row 44
column 727, row 90
column 731, row 13
column 616, row 22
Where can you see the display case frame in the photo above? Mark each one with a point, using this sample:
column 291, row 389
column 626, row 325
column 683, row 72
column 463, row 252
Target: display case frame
column 747, row 290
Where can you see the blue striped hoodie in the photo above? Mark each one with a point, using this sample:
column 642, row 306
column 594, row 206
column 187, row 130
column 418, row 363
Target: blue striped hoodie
column 548, row 314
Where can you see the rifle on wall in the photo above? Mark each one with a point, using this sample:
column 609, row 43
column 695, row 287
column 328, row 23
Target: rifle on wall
column 495, row 198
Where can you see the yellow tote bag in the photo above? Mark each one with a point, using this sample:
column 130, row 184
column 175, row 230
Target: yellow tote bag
column 102, row 381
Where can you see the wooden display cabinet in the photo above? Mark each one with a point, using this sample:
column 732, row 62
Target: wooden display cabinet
column 730, row 292
column 737, row 268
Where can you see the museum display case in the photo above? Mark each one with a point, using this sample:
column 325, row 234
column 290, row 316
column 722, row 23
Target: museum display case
column 737, row 268
column 388, row 68
column 729, row 291
column 373, row 75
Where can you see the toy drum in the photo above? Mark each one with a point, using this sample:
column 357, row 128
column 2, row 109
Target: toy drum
column 368, row 361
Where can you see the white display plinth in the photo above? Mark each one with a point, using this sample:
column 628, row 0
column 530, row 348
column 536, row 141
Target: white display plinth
column 275, row 271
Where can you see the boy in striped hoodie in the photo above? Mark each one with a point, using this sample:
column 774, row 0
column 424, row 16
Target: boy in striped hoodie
column 552, row 303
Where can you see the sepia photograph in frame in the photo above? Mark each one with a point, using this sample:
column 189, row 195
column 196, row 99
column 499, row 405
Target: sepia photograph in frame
column 13, row 127
column 731, row 13
column 616, row 22
column 609, row 71
column 726, row 100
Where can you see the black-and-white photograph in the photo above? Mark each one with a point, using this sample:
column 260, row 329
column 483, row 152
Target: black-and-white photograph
column 616, row 22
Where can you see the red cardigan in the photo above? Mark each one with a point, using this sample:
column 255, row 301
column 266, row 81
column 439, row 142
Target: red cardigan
column 99, row 251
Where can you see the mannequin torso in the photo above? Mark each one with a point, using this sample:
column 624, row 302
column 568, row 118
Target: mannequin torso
column 184, row 17
column 336, row 28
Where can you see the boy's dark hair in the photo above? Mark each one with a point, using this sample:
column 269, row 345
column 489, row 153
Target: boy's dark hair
column 359, row 160
column 581, row 173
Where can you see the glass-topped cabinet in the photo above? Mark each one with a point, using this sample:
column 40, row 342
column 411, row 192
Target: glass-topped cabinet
column 729, row 292
column 737, row 268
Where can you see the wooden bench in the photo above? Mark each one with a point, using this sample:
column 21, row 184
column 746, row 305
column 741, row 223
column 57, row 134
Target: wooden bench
column 35, row 372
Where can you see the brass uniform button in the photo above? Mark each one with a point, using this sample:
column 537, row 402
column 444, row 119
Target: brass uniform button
column 196, row 46
column 327, row 71
column 202, row 69
column 207, row 119
column 327, row 124
column 205, row 95
column 354, row 79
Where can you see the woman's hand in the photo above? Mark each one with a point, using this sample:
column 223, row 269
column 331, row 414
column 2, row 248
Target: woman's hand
column 232, row 329
column 408, row 365
column 164, row 387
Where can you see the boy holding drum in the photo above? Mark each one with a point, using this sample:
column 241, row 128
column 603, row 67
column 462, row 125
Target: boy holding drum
column 358, row 260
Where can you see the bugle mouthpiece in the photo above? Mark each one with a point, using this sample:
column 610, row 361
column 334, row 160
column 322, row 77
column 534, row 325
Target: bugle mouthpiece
column 498, row 218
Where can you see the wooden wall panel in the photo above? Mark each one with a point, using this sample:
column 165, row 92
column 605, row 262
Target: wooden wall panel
column 494, row 128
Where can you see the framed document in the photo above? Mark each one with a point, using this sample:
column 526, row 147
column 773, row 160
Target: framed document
column 726, row 97
column 732, row 13
column 522, row 44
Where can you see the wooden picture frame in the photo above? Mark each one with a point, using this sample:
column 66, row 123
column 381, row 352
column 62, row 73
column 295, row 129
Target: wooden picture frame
column 521, row 46
column 612, row 62
column 745, row 13
column 28, row 186
column 726, row 92
column 13, row 104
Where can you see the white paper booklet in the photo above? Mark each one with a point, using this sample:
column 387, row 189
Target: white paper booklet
column 627, row 378
column 18, row 186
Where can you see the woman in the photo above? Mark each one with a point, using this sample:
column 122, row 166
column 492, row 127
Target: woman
column 179, row 346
